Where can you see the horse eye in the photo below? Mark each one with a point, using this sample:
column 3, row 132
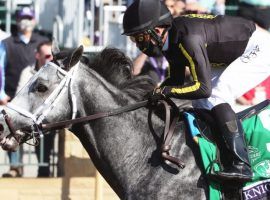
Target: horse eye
column 41, row 88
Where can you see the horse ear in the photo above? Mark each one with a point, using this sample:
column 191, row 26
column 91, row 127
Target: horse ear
column 55, row 47
column 73, row 58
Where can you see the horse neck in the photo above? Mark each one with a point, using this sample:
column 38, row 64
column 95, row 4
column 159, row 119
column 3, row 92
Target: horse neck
column 119, row 146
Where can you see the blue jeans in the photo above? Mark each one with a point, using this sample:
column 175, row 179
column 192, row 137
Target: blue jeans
column 15, row 158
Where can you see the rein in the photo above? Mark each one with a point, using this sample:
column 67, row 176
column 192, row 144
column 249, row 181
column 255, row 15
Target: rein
column 66, row 123
column 168, row 131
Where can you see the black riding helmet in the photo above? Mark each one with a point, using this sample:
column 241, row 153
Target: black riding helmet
column 140, row 15
column 144, row 16
column 165, row 16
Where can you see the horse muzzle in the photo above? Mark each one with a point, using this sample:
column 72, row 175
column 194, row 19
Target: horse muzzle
column 9, row 143
column 12, row 141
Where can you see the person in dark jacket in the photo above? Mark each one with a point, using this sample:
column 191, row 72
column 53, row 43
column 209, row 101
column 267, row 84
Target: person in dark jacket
column 16, row 53
column 226, row 56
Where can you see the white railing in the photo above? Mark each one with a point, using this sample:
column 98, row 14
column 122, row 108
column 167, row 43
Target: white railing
column 58, row 29
column 117, row 19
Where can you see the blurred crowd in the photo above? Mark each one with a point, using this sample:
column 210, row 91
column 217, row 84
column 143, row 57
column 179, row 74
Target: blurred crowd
column 25, row 51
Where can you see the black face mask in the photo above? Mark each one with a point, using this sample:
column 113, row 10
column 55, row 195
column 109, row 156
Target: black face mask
column 149, row 49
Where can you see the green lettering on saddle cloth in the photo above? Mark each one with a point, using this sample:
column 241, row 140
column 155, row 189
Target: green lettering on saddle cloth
column 257, row 134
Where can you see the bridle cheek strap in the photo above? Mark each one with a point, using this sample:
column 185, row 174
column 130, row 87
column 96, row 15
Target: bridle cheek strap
column 53, row 99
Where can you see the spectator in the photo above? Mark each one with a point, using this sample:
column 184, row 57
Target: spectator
column 3, row 35
column 17, row 52
column 43, row 55
column 170, row 5
column 179, row 7
column 176, row 7
column 216, row 7
column 256, row 95
column 155, row 67
column 257, row 11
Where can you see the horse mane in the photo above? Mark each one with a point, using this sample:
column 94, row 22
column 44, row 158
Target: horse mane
column 113, row 65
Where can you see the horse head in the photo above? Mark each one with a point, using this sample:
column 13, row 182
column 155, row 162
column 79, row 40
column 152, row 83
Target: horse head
column 37, row 99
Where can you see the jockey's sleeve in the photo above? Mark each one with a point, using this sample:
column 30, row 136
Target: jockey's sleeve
column 192, row 49
column 176, row 76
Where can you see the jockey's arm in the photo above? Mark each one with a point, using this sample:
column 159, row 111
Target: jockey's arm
column 193, row 51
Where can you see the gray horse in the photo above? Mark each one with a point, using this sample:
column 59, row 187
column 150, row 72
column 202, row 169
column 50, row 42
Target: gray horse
column 122, row 147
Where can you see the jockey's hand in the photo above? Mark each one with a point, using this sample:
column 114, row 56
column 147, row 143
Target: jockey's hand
column 156, row 96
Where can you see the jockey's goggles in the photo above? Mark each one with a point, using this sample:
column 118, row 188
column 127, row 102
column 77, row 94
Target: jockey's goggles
column 139, row 38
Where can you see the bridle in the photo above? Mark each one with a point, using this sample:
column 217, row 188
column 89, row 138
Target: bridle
column 66, row 83
column 42, row 111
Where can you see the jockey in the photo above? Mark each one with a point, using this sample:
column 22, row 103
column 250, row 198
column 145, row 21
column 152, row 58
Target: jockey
column 226, row 55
